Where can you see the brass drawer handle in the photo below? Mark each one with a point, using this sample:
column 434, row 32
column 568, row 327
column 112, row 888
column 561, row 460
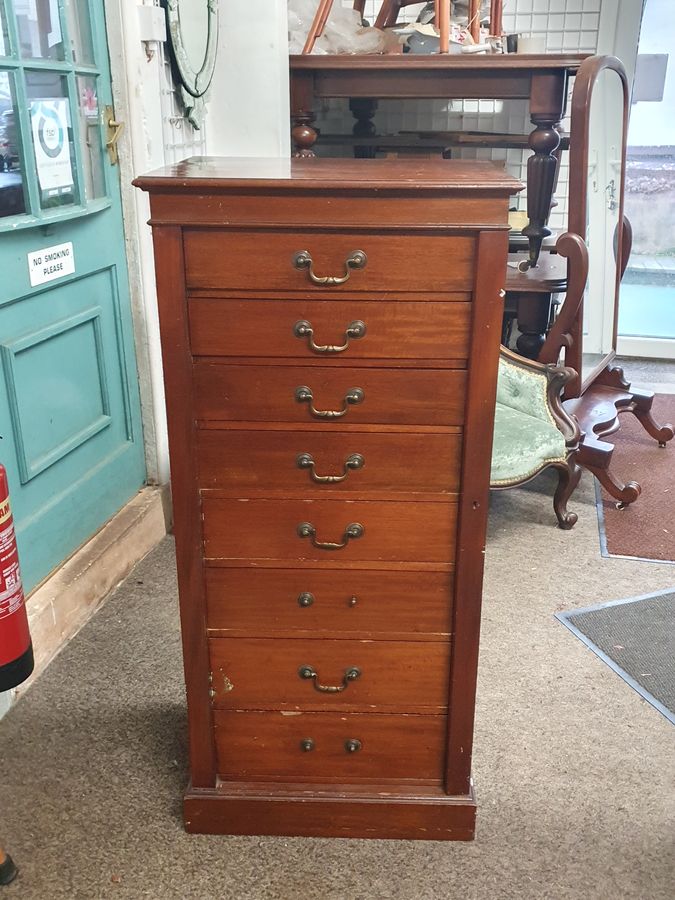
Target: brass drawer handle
column 357, row 259
column 303, row 394
column 309, row 672
column 354, row 331
column 353, row 745
column 307, row 745
column 306, row 461
column 353, row 531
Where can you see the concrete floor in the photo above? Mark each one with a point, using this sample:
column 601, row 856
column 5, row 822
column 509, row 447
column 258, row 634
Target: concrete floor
column 574, row 771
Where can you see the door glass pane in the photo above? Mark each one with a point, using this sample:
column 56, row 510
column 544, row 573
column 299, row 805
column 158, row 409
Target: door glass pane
column 12, row 198
column 52, row 133
column 79, row 32
column 90, row 134
column 4, row 39
column 39, row 29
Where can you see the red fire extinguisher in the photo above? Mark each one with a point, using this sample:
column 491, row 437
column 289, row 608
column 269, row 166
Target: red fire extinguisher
column 16, row 649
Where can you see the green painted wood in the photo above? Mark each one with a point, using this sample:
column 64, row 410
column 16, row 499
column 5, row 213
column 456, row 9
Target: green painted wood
column 70, row 425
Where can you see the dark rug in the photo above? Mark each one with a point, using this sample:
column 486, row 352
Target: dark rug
column 636, row 638
column 646, row 528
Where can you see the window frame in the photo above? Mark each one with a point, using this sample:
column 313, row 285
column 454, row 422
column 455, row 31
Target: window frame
column 17, row 66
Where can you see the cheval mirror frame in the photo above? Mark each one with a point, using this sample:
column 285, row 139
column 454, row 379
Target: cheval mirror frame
column 597, row 400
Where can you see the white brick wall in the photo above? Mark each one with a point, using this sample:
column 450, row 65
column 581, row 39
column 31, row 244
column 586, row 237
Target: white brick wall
column 569, row 26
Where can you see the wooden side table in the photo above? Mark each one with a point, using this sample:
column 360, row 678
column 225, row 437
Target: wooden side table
column 530, row 295
column 541, row 79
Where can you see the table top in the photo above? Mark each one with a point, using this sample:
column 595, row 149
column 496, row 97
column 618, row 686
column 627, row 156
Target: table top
column 460, row 62
column 199, row 173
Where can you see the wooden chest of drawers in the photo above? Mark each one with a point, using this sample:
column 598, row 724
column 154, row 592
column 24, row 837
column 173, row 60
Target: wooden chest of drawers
column 330, row 334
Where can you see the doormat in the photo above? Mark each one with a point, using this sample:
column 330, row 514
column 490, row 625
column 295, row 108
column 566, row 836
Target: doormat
column 646, row 528
column 636, row 638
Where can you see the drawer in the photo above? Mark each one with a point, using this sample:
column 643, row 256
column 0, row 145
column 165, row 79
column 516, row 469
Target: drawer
column 254, row 260
column 320, row 602
column 254, row 460
column 345, row 329
column 300, row 529
column 350, row 395
column 311, row 746
column 389, row 676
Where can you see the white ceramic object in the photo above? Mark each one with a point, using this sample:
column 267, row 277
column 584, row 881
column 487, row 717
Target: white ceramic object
column 533, row 43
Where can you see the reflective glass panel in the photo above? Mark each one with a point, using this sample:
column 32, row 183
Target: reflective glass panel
column 52, row 133
column 90, row 135
column 12, row 196
column 39, row 29
column 4, row 39
column 79, row 32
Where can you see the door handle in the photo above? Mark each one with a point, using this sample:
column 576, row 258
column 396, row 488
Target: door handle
column 113, row 131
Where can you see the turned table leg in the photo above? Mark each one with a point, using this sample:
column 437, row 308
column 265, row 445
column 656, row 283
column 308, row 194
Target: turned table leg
column 363, row 109
column 547, row 107
column 303, row 134
column 533, row 314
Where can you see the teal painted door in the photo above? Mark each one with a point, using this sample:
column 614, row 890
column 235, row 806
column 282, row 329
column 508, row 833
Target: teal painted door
column 70, row 428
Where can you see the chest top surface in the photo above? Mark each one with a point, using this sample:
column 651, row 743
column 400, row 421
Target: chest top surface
column 202, row 174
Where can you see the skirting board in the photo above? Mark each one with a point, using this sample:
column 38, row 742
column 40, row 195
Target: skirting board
column 61, row 605
column 307, row 811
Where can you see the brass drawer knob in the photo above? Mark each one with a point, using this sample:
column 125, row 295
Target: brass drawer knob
column 354, row 331
column 303, row 394
column 307, row 745
column 353, row 745
column 357, row 259
column 309, row 673
column 352, row 532
column 306, row 461
column 306, row 599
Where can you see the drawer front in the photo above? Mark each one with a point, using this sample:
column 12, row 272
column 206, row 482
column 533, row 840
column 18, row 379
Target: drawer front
column 319, row 602
column 265, row 261
column 299, row 460
column 299, row 529
column 258, row 673
column 349, row 395
column 346, row 329
column 314, row 746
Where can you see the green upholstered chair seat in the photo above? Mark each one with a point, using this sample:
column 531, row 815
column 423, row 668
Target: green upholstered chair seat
column 523, row 445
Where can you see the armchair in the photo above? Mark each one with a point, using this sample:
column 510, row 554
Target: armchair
column 532, row 429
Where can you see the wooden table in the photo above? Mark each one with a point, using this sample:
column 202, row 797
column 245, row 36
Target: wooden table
column 541, row 79
column 529, row 296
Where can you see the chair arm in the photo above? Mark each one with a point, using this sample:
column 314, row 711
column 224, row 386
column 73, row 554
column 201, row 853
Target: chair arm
column 556, row 378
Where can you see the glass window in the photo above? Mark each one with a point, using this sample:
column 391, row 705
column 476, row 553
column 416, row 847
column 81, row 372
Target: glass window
column 90, row 135
column 52, row 133
column 4, row 39
column 39, row 29
column 12, row 196
column 79, row 32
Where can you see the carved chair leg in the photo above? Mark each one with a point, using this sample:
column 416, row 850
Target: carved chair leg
column 569, row 474
column 642, row 408
column 624, row 493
